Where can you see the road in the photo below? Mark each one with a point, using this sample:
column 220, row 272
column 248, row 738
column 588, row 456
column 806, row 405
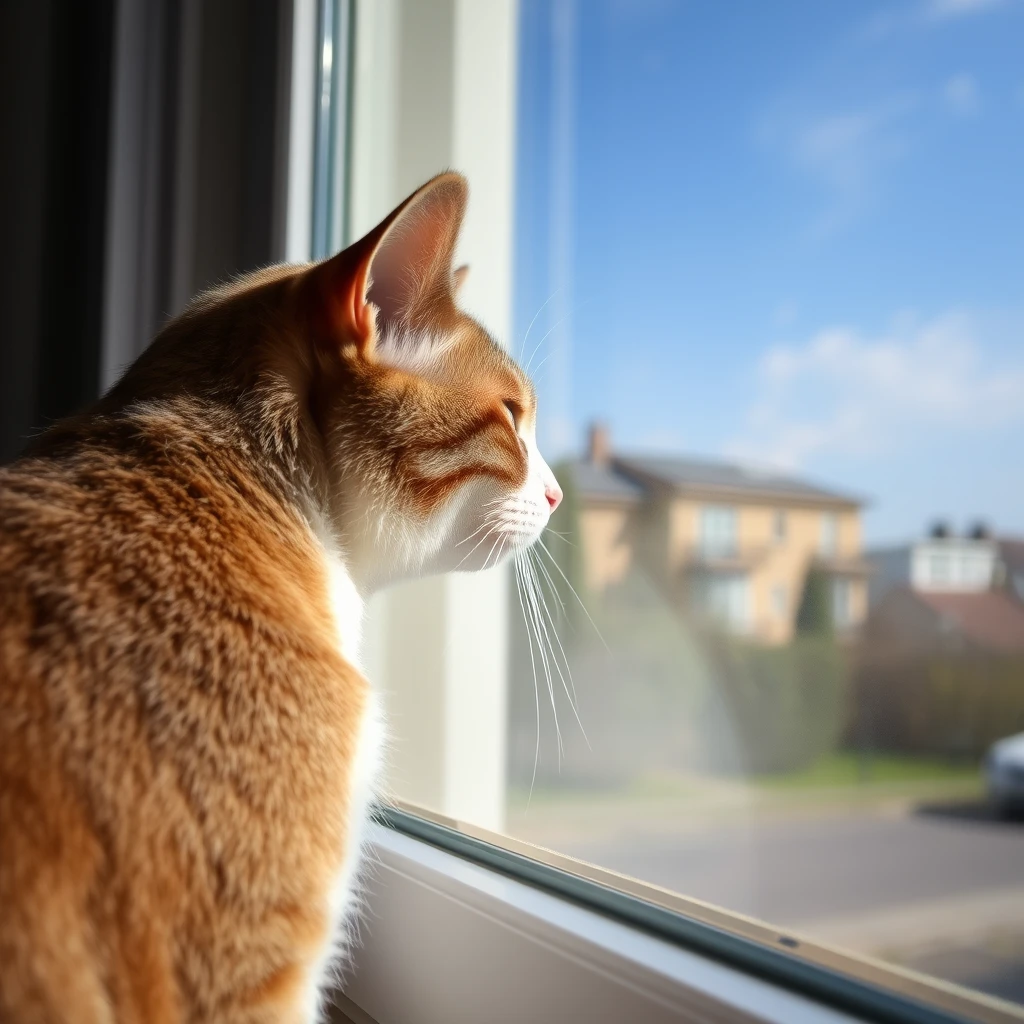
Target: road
column 940, row 891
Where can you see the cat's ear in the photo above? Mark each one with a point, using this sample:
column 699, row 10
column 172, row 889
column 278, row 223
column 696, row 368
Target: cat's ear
column 400, row 272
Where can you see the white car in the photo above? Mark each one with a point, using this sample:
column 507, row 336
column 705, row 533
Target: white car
column 1004, row 774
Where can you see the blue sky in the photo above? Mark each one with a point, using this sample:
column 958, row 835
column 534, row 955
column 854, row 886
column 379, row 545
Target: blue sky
column 790, row 233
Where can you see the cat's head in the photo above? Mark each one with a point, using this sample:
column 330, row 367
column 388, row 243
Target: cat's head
column 429, row 426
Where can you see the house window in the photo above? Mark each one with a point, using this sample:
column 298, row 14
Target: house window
column 842, row 615
column 718, row 531
column 780, row 600
column 829, row 539
column 779, row 526
column 940, row 569
column 725, row 598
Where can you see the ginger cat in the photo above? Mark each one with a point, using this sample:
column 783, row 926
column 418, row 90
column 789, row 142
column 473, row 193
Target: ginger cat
column 188, row 749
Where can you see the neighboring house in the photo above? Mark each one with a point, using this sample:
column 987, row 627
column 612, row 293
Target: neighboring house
column 945, row 563
column 734, row 543
column 907, row 622
column 1011, row 553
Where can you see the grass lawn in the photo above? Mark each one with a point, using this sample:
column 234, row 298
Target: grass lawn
column 850, row 769
column 841, row 777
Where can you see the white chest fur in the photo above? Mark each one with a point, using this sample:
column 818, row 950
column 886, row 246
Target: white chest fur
column 344, row 898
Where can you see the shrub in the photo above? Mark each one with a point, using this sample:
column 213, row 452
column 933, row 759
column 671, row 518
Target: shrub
column 775, row 709
column 814, row 615
column 948, row 704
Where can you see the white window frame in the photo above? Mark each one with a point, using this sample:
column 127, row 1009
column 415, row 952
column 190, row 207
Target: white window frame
column 465, row 925
column 462, row 924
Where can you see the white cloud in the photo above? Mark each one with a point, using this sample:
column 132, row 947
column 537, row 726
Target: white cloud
column 942, row 10
column 847, row 152
column 962, row 95
column 892, row 21
column 843, row 392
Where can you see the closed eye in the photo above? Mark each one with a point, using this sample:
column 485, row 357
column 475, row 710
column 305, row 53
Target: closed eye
column 515, row 412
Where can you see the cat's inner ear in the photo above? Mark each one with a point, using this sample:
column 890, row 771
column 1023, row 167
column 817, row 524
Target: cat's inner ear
column 459, row 276
column 401, row 272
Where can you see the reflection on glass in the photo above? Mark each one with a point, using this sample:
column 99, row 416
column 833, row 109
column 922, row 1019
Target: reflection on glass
column 770, row 256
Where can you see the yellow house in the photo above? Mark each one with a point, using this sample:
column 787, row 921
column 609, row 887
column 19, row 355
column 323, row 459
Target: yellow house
column 728, row 542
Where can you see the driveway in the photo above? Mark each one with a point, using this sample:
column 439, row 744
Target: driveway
column 939, row 888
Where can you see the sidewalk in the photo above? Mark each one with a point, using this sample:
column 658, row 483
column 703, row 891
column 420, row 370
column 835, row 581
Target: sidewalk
column 910, row 930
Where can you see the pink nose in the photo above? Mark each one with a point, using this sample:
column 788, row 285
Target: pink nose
column 554, row 495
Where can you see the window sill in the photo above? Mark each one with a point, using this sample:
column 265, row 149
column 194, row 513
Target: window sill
column 449, row 938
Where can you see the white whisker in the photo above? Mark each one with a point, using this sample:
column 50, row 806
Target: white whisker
column 489, row 521
column 497, row 541
column 544, row 548
column 559, row 321
column 551, row 584
column 482, row 540
column 533, row 665
column 546, row 658
column 526, row 336
column 569, row 696
column 531, row 600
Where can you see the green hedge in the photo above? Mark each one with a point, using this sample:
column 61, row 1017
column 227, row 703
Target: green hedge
column 778, row 708
column 950, row 705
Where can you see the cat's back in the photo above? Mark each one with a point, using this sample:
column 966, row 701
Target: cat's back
column 175, row 725
column 126, row 539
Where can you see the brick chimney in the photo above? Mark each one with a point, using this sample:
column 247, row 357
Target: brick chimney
column 599, row 445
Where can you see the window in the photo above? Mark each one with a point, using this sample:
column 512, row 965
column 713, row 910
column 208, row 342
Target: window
column 734, row 750
column 829, row 534
column 717, row 531
column 725, row 598
column 841, row 611
column 940, row 568
column 779, row 526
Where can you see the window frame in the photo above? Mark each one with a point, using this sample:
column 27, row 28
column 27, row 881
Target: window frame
column 438, row 883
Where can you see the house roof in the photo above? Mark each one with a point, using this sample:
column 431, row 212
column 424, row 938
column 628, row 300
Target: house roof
column 627, row 477
column 991, row 619
column 601, row 482
column 1012, row 552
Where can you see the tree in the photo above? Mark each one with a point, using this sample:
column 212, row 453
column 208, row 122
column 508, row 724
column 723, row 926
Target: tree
column 814, row 617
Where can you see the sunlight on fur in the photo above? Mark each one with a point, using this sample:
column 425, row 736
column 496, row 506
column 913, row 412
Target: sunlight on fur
column 188, row 748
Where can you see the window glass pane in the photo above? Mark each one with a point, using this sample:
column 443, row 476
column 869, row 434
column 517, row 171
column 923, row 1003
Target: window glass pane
column 767, row 279
column 717, row 531
column 829, row 533
column 775, row 251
